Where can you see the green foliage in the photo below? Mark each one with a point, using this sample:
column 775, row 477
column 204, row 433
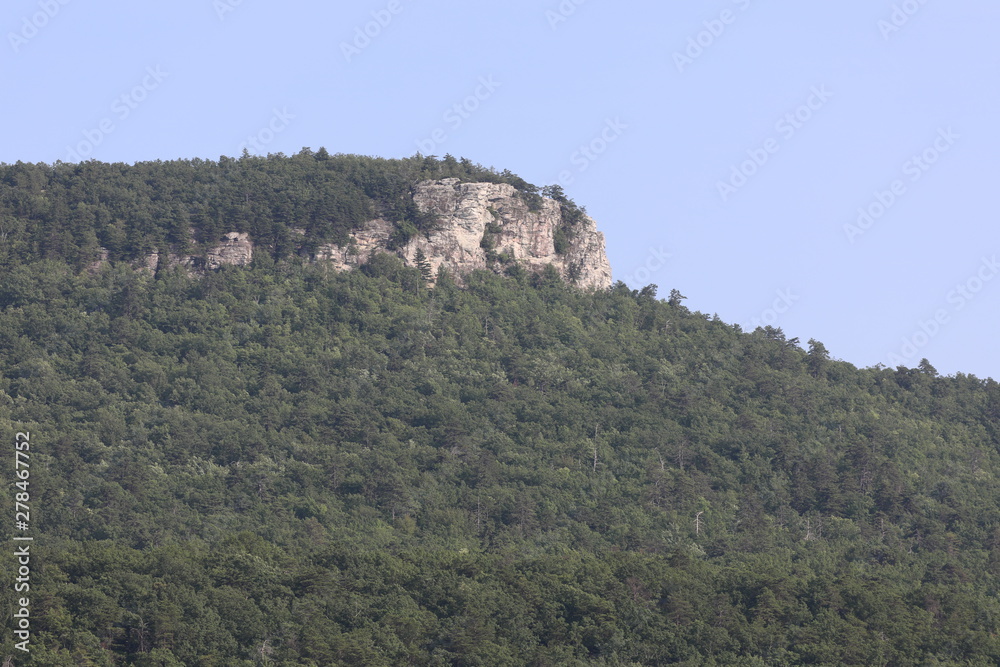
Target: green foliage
column 561, row 239
column 570, row 217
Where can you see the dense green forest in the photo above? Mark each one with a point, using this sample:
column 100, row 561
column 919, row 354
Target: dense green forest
column 71, row 211
column 282, row 465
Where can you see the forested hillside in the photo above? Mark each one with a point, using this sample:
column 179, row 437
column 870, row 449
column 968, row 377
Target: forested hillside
column 71, row 212
column 283, row 465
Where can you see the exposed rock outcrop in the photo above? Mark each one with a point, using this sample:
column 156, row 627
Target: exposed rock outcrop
column 235, row 249
column 484, row 225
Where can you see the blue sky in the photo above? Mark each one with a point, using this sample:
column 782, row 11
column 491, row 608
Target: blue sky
column 727, row 148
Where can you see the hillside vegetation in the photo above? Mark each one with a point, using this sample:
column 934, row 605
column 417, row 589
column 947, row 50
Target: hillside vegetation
column 71, row 212
column 282, row 465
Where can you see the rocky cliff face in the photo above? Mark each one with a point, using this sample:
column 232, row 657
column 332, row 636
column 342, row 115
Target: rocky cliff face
column 486, row 225
column 235, row 249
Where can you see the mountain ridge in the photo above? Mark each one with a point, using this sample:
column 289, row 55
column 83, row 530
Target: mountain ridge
column 478, row 226
column 201, row 215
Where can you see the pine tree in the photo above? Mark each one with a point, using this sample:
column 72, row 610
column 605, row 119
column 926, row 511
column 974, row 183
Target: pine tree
column 425, row 267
